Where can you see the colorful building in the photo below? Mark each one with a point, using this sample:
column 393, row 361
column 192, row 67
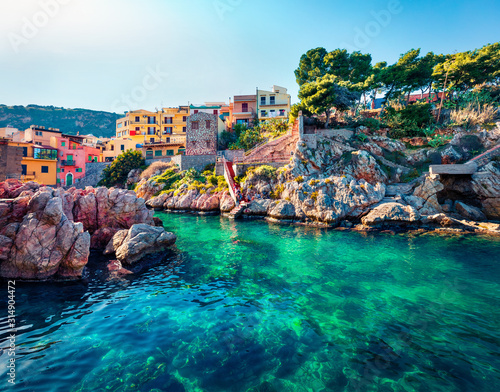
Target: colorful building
column 38, row 163
column 8, row 132
column 274, row 104
column 243, row 110
column 40, row 135
column 73, row 155
column 202, row 134
column 164, row 150
column 141, row 126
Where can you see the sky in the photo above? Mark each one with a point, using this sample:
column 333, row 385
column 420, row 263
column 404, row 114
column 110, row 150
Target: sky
column 119, row 55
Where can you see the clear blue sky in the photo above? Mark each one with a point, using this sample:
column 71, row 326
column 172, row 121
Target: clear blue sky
column 116, row 55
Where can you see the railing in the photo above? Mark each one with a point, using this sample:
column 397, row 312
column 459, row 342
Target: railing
column 171, row 141
column 65, row 162
column 229, row 179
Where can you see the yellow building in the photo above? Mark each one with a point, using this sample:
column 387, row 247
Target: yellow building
column 273, row 104
column 38, row 163
column 140, row 127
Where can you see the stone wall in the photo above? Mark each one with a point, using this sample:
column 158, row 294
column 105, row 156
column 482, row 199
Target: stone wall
column 197, row 162
column 10, row 162
column 93, row 174
column 201, row 136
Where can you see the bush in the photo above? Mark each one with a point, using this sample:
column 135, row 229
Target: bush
column 116, row 173
column 408, row 121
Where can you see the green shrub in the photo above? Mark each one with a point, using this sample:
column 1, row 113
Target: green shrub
column 408, row 121
column 116, row 174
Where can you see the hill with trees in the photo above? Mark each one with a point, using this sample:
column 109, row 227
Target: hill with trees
column 70, row 121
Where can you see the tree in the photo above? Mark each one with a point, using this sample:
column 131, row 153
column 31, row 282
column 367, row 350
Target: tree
column 468, row 69
column 116, row 174
column 312, row 66
column 324, row 94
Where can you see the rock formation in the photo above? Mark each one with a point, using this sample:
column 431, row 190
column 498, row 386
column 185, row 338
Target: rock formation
column 48, row 233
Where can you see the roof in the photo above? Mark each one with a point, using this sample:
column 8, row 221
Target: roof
column 204, row 107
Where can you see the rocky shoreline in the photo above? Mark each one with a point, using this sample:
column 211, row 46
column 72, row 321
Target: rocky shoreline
column 341, row 183
column 47, row 233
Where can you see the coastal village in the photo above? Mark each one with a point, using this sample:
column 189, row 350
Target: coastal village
column 166, row 225
column 51, row 157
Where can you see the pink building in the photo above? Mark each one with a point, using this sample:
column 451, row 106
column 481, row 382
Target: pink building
column 72, row 157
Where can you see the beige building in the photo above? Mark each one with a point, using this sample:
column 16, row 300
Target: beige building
column 274, row 104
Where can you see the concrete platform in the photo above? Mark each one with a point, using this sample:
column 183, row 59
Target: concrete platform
column 469, row 168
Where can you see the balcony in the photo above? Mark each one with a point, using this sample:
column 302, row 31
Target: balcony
column 65, row 162
column 166, row 142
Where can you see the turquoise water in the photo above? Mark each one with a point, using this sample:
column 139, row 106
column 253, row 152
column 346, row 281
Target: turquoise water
column 243, row 306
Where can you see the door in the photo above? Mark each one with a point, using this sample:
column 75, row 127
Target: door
column 69, row 179
column 24, row 169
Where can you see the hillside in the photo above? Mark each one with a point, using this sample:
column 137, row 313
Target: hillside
column 68, row 121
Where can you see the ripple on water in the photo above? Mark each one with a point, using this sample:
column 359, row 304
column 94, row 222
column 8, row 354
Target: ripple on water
column 250, row 306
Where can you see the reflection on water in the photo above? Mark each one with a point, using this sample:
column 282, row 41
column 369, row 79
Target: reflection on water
column 242, row 306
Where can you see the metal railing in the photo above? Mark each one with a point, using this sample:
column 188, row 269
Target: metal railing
column 66, row 162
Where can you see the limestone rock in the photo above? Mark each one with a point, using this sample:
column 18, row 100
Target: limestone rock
column 140, row 240
column 486, row 184
column 226, row 202
column 391, row 213
column 281, row 209
column 469, row 212
column 258, row 207
column 158, row 202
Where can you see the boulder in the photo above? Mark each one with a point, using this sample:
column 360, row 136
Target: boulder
column 258, row 207
column 157, row 203
column 486, row 184
column 282, row 210
column 226, row 202
column 391, row 213
column 469, row 212
column 140, row 240
column 46, row 243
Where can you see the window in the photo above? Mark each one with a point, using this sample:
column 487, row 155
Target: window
column 151, row 130
column 263, row 100
column 24, row 168
column 90, row 158
column 151, row 139
column 58, row 170
column 62, row 170
column 151, row 120
column 167, row 140
column 45, row 169
column 158, row 153
column 170, row 152
column 137, row 129
column 183, row 129
column 196, row 111
column 168, row 120
column 272, row 100
column 79, row 170
column 25, row 151
column 149, row 153
column 244, row 107
column 282, row 112
column 122, row 147
column 70, row 158
column 184, row 118
column 119, row 134
column 167, row 131
column 38, row 133
column 137, row 119
column 216, row 112
column 44, row 153
column 63, row 144
column 242, row 122
column 207, row 124
column 119, row 125
column 263, row 113
column 195, row 125
column 273, row 113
